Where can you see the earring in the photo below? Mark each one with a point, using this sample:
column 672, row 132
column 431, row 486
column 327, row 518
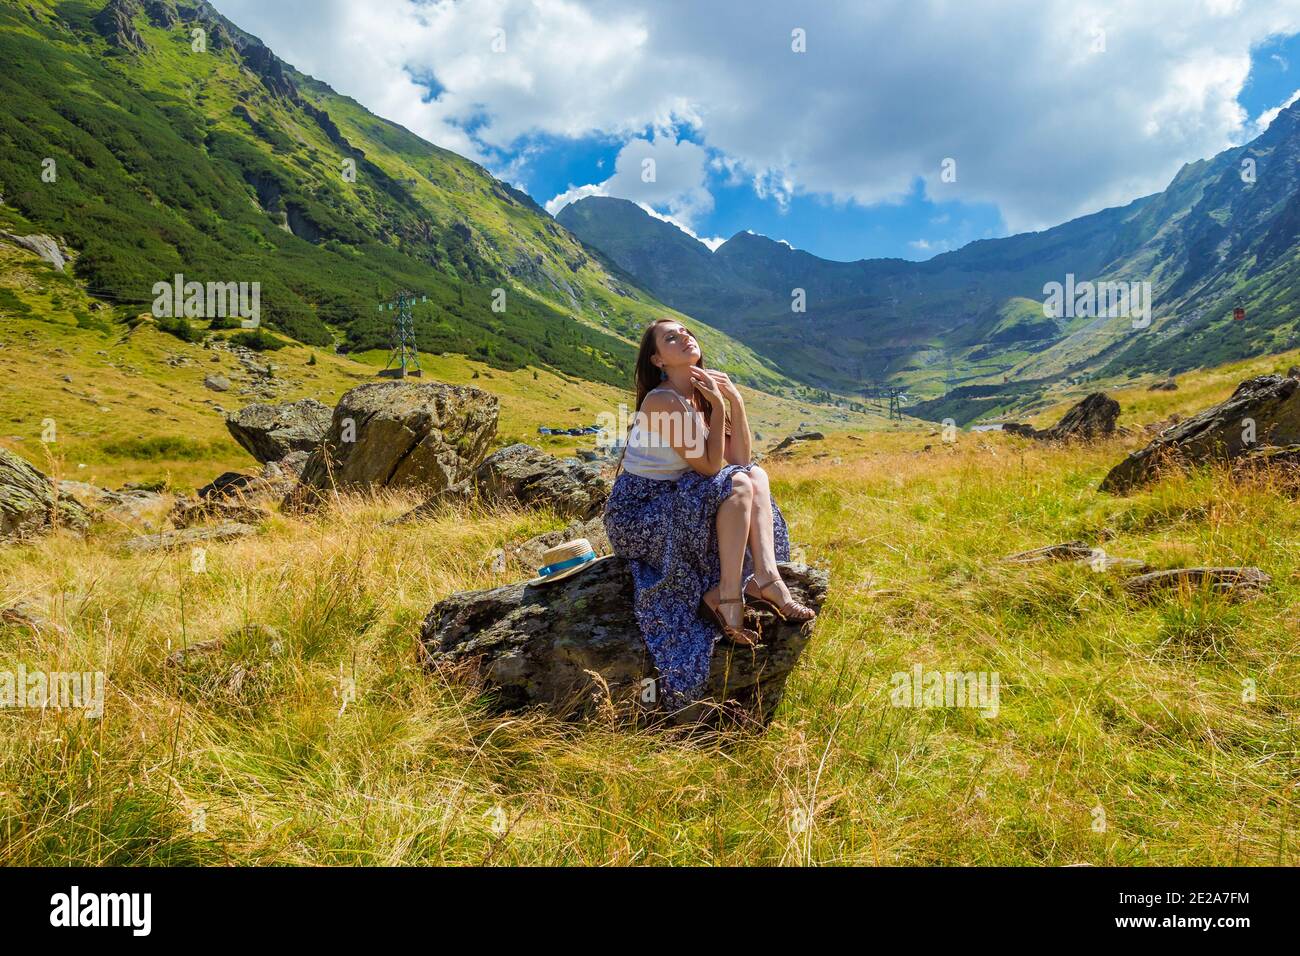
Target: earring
column 663, row 374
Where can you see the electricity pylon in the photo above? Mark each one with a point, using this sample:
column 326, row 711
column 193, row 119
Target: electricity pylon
column 404, row 359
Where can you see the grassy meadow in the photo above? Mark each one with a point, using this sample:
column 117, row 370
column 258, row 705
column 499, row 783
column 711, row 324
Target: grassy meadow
column 1125, row 733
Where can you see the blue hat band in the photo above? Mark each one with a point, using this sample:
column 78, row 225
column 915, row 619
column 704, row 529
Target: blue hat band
column 565, row 565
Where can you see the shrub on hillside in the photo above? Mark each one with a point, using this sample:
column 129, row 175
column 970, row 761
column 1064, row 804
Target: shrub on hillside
column 259, row 340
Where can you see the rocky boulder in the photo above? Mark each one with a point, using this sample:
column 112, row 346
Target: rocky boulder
column 522, row 474
column 402, row 434
column 47, row 247
column 30, row 503
column 126, row 505
column 1262, row 411
column 1091, row 419
column 789, row 441
column 271, row 432
column 1230, row 581
column 184, row 538
column 573, row 647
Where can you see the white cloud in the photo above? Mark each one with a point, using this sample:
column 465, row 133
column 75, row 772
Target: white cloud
column 662, row 172
column 573, row 194
column 1039, row 120
column 1265, row 118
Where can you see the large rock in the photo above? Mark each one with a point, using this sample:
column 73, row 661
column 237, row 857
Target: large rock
column 535, row 646
column 1268, row 406
column 31, row 504
column 47, row 247
column 782, row 448
column 128, row 504
column 424, row 435
column 525, row 475
column 1234, row 581
column 184, row 538
column 271, row 432
column 1091, row 419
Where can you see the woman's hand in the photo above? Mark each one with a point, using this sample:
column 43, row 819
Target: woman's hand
column 708, row 386
column 725, row 385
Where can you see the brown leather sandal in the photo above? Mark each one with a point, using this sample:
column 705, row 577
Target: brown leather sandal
column 736, row 635
column 791, row 611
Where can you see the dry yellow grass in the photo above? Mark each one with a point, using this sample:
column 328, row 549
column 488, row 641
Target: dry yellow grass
column 1110, row 708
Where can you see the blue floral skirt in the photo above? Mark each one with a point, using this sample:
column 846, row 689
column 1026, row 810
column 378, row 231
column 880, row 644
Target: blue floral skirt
column 666, row 531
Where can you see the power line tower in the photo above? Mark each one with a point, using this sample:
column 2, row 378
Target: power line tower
column 895, row 406
column 404, row 359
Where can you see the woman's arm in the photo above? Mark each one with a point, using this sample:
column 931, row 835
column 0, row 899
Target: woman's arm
column 739, row 446
column 676, row 422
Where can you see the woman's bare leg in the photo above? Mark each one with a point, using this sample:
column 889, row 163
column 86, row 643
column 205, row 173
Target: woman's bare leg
column 762, row 539
column 733, row 532
column 762, row 534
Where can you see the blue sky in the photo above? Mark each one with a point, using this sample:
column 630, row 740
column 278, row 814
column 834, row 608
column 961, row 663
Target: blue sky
column 827, row 126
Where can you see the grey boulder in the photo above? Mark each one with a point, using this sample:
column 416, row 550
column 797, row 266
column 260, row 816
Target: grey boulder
column 423, row 435
column 31, row 504
column 1089, row 420
column 524, row 475
column 1265, row 409
column 47, row 247
column 573, row 648
column 270, row 432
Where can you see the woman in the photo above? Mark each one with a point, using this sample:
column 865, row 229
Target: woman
column 699, row 533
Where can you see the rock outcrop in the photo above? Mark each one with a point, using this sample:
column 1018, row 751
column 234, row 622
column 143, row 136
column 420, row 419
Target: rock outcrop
column 115, row 24
column 1233, row 581
column 30, row 504
column 128, row 504
column 171, row 540
column 1091, row 419
column 522, row 474
column 47, row 247
column 573, row 648
column 271, row 432
column 424, row 435
column 789, row 441
column 1262, row 411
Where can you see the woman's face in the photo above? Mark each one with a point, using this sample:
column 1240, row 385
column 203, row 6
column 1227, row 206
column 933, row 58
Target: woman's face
column 675, row 346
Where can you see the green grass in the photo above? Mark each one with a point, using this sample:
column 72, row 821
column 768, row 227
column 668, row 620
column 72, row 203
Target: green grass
column 171, row 162
column 1106, row 701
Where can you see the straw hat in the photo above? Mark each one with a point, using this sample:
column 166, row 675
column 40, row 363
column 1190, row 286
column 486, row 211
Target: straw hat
column 564, row 560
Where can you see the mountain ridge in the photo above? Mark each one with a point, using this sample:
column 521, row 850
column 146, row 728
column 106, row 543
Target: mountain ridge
column 1214, row 239
column 225, row 163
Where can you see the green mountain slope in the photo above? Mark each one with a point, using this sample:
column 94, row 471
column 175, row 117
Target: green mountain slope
column 1215, row 239
column 151, row 158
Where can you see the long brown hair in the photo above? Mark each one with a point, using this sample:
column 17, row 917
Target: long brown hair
column 648, row 376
